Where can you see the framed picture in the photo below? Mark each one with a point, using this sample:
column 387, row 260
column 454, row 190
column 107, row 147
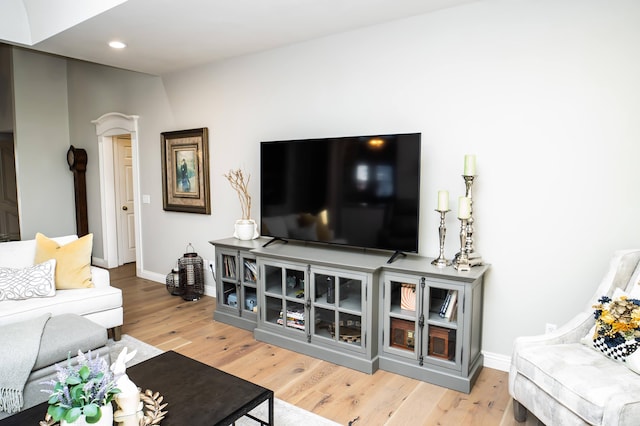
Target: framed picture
column 185, row 171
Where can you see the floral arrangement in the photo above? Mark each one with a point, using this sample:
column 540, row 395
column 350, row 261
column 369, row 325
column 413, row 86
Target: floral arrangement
column 81, row 389
column 617, row 320
column 238, row 182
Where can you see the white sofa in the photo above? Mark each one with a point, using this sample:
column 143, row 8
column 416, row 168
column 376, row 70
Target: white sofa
column 101, row 304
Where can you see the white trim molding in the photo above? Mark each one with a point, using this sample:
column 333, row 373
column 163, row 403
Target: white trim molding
column 107, row 126
column 497, row 361
column 209, row 289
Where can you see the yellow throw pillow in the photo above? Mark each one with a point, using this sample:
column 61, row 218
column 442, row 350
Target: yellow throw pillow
column 73, row 260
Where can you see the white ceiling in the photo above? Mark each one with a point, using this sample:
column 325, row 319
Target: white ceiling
column 164, row 36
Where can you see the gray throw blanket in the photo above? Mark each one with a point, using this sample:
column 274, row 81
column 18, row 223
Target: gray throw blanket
column 19, row 347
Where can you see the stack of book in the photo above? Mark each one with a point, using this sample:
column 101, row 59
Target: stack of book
column 295, row 319
column 448, row 309
column 250, row 271
column 229, row 266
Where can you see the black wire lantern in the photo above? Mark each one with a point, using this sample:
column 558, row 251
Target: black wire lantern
column 173, row 283
column 191, row 274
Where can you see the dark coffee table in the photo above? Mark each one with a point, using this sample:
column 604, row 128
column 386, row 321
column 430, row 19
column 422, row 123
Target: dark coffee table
column 196, row 393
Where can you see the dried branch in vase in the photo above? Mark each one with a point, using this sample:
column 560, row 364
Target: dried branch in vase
column 238, row 182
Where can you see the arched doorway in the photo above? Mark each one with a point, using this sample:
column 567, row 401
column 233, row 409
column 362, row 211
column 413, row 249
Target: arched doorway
column 107, row 126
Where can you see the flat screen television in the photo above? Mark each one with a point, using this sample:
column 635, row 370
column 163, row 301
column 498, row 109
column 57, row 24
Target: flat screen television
column 360, row 191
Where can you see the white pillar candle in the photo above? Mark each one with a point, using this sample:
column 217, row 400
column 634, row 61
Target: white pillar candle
column 464, row 208
column 469, row 165
column 443, row 200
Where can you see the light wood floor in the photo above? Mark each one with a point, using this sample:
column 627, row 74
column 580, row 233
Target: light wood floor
column 343, row 395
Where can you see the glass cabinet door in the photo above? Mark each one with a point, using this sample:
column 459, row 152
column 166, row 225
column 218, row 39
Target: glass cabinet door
column 236, row 287
column 229, row 280
column 284, row 291
column 402, row 296
column 249, row 284
column 441, row 344
column 337, row 307
column 238, row 284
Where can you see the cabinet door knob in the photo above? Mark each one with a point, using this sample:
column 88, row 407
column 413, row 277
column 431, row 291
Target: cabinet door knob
column 125, row 208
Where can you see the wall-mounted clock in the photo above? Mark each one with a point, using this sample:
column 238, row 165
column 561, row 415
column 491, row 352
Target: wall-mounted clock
column 77, row 160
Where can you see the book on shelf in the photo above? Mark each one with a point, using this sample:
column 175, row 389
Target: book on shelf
column 229, row 266
column 452, row 307
column 295, row 319
column 454, row 315
column 448, row 307
column 250, row 270
column 445, row 304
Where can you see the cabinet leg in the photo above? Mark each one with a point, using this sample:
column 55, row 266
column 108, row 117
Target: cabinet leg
column 519, row 412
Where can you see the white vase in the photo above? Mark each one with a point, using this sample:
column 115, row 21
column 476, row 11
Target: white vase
column 105, row 420
column 246, row 229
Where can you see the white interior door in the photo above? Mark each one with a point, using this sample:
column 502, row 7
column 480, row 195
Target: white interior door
column 124, row 199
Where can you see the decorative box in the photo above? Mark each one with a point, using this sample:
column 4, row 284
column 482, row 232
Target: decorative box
column 403, row 333
column 442, row 342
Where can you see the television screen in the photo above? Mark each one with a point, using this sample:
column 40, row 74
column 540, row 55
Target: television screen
column 359, row 191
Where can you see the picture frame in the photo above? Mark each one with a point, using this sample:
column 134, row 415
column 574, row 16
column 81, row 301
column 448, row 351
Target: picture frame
column 185, row 171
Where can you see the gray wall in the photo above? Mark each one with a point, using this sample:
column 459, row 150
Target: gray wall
column 6, row 90
column 543, row 92
column 45, row 183
column 95, row 90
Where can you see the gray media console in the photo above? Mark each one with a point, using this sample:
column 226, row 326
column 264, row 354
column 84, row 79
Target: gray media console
column 352, row 308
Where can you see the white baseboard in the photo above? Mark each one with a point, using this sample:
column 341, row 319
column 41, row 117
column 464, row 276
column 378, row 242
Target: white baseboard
column 209, row 290
column 152, row 276
column 96, row 261
column 497, row 361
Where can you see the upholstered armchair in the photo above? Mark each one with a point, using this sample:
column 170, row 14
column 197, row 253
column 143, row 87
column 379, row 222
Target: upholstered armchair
column 561, row 379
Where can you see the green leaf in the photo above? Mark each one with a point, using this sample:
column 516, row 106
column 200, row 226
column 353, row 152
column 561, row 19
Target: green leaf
column 93, row 419
column 91, row 410
column 76, row 392
column 56, row 412
column 73, row 414
column 73, row 380
column 84, row 372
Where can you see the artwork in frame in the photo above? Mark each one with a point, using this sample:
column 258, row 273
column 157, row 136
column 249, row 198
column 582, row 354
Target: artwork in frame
column 185, row 171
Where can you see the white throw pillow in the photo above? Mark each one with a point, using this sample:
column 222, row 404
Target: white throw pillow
column 31, row 281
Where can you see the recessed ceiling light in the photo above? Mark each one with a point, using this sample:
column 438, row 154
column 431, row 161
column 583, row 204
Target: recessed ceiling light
column 117, row 44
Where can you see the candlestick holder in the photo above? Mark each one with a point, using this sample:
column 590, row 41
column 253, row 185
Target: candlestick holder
column 461, row 262
column 441, row 261
column 468, row 183
column 472, row 257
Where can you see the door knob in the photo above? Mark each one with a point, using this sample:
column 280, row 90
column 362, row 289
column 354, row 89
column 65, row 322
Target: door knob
column 125, row 208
